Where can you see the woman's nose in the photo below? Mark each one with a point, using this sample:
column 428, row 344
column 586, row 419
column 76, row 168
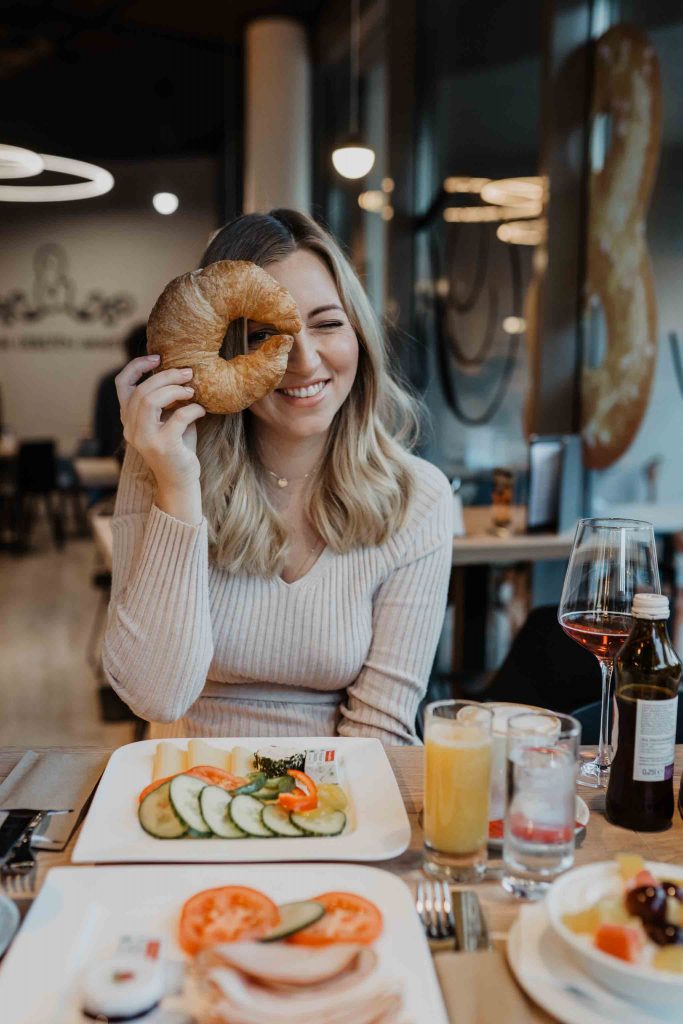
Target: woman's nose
column 303, row 357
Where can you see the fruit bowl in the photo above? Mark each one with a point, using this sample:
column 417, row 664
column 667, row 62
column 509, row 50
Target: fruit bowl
column 583, row 887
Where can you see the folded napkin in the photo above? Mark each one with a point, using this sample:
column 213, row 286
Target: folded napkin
column 478, row 988
column 53, row 780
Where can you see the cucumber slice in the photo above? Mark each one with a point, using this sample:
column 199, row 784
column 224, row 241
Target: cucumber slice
column 157, row 817
column 245, row 812
column 279, row 820
column 281, row 784
column 293, row 918
column 213, row 803
column 266, row 795
column 257, row 780
column 184, row 792
column 320, row 822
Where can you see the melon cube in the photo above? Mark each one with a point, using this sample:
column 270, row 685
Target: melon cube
column 669, row 958
column 584, row 922
column 629, row 865
column 620, row 941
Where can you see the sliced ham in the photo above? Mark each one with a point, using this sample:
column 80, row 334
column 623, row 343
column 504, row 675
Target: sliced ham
column 359, row 993
column 276, row 963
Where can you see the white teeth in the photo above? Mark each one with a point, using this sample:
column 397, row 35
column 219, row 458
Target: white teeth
column 308, row 392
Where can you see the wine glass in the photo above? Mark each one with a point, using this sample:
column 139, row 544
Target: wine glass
column 611, row 561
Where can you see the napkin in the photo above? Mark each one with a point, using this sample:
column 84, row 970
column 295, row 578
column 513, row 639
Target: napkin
column 53, row 780
column 478, row 988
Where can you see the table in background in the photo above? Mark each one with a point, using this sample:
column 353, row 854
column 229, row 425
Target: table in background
column 97, row 472
column 602, row 840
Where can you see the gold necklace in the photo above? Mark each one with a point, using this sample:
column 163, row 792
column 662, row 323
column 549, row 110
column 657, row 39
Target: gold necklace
column 283, row 481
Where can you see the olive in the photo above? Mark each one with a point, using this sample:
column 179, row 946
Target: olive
column 648, row 902
column 664, row 934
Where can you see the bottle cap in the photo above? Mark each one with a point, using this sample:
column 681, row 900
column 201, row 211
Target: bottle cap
column 650, row 606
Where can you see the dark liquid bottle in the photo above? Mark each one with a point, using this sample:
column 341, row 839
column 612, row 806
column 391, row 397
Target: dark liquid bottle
column 640, row 792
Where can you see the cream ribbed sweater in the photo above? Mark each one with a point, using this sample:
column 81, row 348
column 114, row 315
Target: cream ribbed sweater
column 344, row 650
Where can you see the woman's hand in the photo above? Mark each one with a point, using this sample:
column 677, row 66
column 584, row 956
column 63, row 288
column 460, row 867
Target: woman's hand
column 167, row 443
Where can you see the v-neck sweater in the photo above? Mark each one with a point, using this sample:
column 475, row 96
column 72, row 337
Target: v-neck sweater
column 346, row 649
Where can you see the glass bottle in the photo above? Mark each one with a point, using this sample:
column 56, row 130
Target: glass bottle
column 647, row 676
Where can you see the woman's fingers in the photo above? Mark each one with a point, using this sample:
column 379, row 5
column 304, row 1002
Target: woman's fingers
column 149, row 405
column 126, row 380
column 180, row 419
column 164, row 378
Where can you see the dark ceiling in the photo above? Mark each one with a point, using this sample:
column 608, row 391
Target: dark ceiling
column 129, row 79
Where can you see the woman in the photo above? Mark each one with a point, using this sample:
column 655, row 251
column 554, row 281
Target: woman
column 282, row 571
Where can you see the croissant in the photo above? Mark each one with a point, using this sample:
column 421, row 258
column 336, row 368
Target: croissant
column 188, row 323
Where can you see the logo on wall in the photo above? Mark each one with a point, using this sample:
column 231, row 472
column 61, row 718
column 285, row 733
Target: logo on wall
column 54, row 291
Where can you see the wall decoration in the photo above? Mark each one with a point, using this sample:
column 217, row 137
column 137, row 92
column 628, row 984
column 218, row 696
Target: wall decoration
column 627, row 109
column 53, row 291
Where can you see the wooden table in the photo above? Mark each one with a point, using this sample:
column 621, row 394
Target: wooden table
column 602, row 840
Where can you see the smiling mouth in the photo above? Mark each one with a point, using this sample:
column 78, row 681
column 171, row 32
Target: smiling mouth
column 308, row 392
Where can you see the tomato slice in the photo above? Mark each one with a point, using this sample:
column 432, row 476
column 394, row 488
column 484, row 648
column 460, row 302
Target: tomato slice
column 206, row 772
column 347, row 918
column 304, row 797
column 224, row 915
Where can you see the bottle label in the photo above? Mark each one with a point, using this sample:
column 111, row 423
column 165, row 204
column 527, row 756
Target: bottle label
column 655, row 741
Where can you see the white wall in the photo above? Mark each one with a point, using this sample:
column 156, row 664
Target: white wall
column 116, row 245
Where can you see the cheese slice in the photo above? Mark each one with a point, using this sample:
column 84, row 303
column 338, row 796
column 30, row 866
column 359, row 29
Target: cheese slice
column 242, row 761
column 200, row 752
column 168, row 760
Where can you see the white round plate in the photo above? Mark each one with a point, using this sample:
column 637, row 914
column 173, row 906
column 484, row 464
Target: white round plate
column 581, row 813
column 582, row 887
column 556, row 982
column 9, row 921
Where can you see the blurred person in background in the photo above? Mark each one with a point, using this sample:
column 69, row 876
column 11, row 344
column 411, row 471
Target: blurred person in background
column 107, row 426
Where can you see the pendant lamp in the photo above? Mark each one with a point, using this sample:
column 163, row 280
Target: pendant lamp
column 353, row 159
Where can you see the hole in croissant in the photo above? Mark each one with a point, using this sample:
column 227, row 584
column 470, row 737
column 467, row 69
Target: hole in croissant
column 235, row 340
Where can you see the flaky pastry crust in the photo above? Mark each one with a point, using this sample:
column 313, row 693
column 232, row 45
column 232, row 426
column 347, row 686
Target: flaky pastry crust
column 188, row 323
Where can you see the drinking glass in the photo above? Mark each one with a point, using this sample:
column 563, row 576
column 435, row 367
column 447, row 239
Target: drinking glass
column 457, row 735
column 538, row 841
column 611, row 561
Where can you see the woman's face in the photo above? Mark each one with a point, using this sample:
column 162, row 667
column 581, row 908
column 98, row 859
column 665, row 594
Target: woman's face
column 323, row 360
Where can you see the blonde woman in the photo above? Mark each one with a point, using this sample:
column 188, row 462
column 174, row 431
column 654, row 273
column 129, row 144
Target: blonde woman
column 282, row 571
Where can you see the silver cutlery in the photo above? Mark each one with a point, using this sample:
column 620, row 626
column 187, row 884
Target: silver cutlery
column 435, row 909
column 471, row 931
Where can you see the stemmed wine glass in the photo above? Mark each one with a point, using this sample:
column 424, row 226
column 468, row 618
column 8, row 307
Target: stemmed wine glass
column 611, row 560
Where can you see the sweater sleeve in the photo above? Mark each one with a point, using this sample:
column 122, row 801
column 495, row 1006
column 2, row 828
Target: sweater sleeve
column 408, row 613
column 158, row 644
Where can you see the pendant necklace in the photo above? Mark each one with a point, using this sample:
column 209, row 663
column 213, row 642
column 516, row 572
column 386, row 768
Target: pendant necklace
column 283, row 481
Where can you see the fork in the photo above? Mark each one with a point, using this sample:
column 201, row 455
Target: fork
column 435, row 909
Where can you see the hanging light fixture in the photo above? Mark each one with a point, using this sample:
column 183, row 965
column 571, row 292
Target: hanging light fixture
column 353, row 159
column 22, row 163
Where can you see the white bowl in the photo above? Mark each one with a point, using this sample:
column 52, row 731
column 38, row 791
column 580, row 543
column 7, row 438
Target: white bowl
column 583, row 887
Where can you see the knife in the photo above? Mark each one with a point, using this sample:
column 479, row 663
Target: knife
column 471, row 931
column 19, row 824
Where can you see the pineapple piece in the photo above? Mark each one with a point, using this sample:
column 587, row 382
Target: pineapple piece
column 629, row 865
column 584, row 922
column 674, row 911
column 669, row 958
column 612, row 910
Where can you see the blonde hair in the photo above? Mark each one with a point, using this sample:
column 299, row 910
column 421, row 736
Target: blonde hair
column 362, row 489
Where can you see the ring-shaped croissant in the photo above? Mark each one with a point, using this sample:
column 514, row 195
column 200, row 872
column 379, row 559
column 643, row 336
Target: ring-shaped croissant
column 188, row 323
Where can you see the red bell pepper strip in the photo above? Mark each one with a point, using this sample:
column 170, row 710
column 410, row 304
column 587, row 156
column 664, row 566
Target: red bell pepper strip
column 304, row 797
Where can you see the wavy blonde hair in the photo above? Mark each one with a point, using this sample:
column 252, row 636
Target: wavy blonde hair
column 360, row 493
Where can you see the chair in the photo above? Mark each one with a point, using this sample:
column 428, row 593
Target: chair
column 545, row 667
column 36, row 478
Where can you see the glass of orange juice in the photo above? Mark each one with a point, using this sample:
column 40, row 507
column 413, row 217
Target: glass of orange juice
column 457, row 781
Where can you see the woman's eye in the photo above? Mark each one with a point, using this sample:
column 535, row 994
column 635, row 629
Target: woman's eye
column 328, row 324
column 258, row 337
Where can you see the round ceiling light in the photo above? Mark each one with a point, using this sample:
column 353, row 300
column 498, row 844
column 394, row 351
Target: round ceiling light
column 353, row 161
column 98, row 181
column 16, row 162
column 165, row 202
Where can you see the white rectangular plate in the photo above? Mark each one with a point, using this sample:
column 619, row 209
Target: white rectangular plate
column 81, row 913
column 377, row 828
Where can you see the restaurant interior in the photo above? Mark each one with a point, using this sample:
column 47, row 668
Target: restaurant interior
column 503, row 180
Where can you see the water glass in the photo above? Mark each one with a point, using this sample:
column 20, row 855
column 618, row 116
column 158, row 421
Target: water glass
column 542, row 761
column 458, row 752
